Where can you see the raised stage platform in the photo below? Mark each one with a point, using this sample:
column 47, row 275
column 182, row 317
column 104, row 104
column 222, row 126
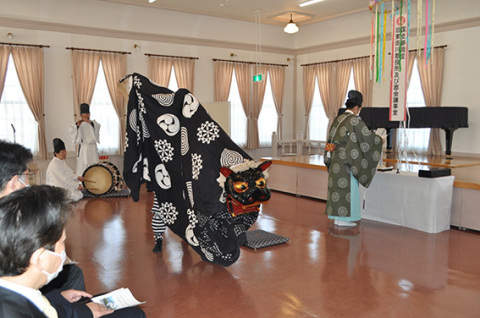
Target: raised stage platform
column 307, row 176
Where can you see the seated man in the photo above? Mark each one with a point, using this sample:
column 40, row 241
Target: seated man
column 14, row 160
column 59, row 173
column 32, row 252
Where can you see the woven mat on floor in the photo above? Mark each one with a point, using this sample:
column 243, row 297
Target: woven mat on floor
column 259, row 238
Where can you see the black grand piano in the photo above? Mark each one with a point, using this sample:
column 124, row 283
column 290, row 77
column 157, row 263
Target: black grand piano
column 446, row 118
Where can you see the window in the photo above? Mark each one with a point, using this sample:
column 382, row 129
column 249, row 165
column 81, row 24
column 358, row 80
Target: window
column 238, row 119
column 102, row 110
column 14, row 111
column 414, row 139
column 172, row 84
column 267, row 121
column 351, row 86
column 318, row 120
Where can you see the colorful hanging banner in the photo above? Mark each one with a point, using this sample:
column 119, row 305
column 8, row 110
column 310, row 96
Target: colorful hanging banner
column 398, row 85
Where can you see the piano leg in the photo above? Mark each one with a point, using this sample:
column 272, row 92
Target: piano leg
column 389, row 139
column 448, row 141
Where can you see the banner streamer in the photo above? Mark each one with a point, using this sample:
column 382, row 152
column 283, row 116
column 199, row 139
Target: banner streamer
column 398, row 84
column 384, row 37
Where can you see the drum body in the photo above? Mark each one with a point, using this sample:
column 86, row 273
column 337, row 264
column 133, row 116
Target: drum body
column 102, row 178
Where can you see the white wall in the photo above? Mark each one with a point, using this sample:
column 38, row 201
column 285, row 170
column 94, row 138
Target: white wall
column 58, row 75
column 104, row 25
column 458, row 27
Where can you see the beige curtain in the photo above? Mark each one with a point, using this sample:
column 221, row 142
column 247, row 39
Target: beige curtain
column 223, row 80
column 243, row 74
column 342, row 75
column 363, row 83
column 431, row 77
column 308, row 91
column 160, row 69
column 335, row 89
column 85, row 68
column 30, row 69
column 411, row 61
column 115, row 68
column 4, row 55
column 184, row 72
column 258, row 95
column 277, row 81
column 325, row 85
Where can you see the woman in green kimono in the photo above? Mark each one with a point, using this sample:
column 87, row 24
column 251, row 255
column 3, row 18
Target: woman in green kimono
column 351, row 156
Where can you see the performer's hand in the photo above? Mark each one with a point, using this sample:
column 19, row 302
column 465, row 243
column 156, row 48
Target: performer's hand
column 86, row 117
column 99, row 310
column 81, row 179
column 79, row 122
column 73, row 295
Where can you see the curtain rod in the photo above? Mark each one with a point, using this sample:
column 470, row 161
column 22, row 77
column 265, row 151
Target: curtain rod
column 362, row 57
column 172, row 56
column 246, row 62
column 94, row 50
column 30, row 45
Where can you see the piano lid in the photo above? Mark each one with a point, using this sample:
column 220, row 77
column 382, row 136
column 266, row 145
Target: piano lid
column 421, row 117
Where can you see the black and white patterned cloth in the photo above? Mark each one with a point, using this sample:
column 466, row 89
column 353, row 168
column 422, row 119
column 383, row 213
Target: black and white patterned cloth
column 174, row 146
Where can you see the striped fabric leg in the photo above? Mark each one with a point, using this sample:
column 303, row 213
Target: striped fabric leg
column 158, row 225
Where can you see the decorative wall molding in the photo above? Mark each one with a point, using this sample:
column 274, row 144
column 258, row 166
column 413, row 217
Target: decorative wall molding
column 143, row 36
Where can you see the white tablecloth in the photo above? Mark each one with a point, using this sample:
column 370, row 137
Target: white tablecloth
column 408, row 200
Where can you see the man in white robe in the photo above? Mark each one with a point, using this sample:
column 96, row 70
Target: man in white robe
column 86, row 134
column 59, row 174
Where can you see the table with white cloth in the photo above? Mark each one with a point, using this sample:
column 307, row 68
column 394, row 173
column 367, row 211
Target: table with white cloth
column 408, row 200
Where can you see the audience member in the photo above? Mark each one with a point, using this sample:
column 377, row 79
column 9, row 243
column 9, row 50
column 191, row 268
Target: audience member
column 32, row 252
column 14, row 173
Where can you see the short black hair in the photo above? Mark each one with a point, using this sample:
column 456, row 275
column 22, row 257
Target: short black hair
column 30, row 218
column 354, row 98
column 14, row 159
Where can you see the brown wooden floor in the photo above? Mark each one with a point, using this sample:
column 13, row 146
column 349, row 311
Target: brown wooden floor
column 375, row 270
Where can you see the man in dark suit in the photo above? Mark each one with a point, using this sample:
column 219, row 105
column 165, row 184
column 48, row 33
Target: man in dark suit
column 14, row 175
column 32, row 253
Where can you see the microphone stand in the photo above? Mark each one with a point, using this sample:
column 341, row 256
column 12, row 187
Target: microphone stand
column 14, row 139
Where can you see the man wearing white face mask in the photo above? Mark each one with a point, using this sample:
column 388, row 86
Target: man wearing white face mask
column 14, row 173
column 32, row 252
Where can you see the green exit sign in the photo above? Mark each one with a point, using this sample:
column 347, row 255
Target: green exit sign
column 257, row 78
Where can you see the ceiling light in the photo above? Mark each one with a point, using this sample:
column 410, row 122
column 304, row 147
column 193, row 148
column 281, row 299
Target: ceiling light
column 307, row 3
column 151, row 1
column 291, row 27
column 10, row 35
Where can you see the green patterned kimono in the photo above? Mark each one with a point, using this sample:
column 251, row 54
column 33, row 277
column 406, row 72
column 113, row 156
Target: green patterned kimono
column 354, row 160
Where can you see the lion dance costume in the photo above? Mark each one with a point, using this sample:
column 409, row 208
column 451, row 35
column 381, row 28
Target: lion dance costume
column 207, row 189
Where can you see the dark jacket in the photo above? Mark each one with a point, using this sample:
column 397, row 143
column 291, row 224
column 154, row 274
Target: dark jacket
column 15, row 305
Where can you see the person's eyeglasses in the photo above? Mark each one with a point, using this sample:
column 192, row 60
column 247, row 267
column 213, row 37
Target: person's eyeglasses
column 28, row 175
